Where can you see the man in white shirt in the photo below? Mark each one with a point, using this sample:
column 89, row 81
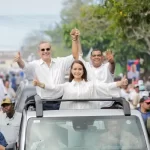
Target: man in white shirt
column 9, row 121
column 50, row 70
column 97, row 69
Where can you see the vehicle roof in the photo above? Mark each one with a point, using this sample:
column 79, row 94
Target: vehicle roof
column 86, row 112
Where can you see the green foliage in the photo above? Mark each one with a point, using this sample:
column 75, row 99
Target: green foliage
column 122, row 25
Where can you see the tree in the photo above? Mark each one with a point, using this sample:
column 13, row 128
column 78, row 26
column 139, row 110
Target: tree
column 122, row 25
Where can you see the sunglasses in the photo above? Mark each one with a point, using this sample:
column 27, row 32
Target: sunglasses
column 45, row 49
column 148, row 103
column 99, row 55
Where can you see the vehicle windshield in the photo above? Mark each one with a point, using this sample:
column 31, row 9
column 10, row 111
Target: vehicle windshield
column 88, row 133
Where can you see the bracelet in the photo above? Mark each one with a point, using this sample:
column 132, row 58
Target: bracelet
column 42, row 85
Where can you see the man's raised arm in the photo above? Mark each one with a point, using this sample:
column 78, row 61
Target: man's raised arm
column 19, row 60
column 75, row 33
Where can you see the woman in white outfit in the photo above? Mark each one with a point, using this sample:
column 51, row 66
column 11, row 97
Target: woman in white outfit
column 79, row 88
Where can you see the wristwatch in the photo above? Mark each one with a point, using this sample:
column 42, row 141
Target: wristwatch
column 42, row 85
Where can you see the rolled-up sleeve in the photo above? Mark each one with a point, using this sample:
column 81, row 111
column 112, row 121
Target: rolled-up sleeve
column 2, row 140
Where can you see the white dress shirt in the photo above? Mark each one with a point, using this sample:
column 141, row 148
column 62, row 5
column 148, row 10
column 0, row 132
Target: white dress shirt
column 101, row 73
column 85, row 90
column 10, row 127
column 53, row 74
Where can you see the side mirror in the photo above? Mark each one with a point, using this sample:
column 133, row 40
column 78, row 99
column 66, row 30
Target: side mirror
column 148, row 126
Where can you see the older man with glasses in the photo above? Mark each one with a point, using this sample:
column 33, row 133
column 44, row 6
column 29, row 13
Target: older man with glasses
column 144, row 108
column 50, row 70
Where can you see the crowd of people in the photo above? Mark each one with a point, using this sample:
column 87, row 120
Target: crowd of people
column 87, row 80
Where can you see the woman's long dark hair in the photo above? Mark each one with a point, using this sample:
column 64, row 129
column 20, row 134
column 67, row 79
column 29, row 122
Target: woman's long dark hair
column 84, row 76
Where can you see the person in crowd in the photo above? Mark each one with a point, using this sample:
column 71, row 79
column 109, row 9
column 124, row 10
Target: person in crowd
column 116, row 137
column 3, row 142
column 147, row 85
column 18, row 79
column 96, row 69
column 79, row 88
column 9, row 91
column 133, row 73
column 2, row 91
column 13, row 82
column 50, row 70
column 144, row 108
column 143, row 91
column 134, row 96
column 9, row 121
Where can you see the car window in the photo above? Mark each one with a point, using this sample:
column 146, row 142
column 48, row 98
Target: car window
column 97, row 133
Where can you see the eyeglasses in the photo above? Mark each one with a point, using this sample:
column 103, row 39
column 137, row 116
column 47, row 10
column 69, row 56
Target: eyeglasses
column 99, row 55
column 148, row 103
column 45, row 49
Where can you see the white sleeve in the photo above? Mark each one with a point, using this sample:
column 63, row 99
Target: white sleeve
column 107, row 89
column 81, row 59
column 29, row 69
column 55, row 87
column 66, row 62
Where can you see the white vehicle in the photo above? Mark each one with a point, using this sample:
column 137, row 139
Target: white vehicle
column 91, row 129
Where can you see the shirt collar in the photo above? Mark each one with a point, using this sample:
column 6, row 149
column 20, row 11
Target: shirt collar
column 52, row 61
column 12, row 117
column 73, row 82
column 97, row 67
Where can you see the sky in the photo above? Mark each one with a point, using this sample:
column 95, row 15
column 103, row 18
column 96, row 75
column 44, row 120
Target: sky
column 18, row 18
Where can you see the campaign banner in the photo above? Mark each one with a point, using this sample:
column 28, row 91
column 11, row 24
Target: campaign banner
column 133, row 69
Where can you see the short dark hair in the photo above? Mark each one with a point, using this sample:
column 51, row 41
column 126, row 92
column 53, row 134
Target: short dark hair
column 84, row 76
column 96, row 50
